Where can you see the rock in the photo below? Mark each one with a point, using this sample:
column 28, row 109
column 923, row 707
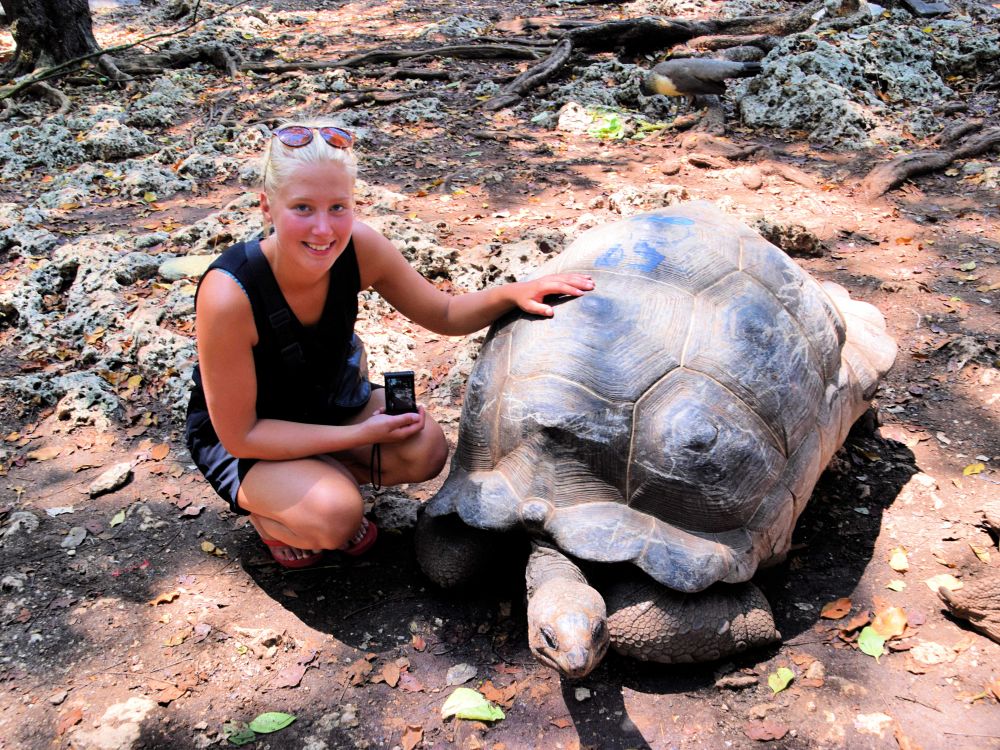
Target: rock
column 120, row 728
column 794, row 239
column 56, row 698
column 460, row 673
column 632, row 200
column 13, row 581
column 20, row 521
column 752, row 178
column 135, row 267
column 185, row 267
column 925, row 9
column 114, row 478
column 110, row 140
column 736, row 681
column 74, row 538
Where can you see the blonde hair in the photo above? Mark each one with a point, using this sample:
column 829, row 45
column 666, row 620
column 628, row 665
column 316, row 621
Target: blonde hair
column 279, row 160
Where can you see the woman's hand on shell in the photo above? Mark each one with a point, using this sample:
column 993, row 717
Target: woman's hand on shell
column 529, row 295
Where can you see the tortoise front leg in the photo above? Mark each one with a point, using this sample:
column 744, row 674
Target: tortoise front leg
column 651, row 622
column 451, row 553
column 567, row 628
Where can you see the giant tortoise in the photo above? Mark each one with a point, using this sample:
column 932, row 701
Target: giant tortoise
column 675, row 418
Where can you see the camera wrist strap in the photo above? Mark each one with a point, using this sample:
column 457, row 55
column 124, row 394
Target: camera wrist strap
column 376, row 472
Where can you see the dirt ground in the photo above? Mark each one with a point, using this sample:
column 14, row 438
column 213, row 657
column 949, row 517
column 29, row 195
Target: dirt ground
column 169, row 623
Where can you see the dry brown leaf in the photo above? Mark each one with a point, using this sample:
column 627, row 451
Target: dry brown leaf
column 765, row 730
column 69, row 719
column 357, row 672
column 159, row 452
column 44, row 454
column 562, row 722
column 898, row 560
column 179, row 637
column 502, row 696
column 890, row 622
column 168, row 694
column 290, row 677
column 836, row 609
column 995, row 689
column 390, row 674
column 413, row 735
column 947, row 580
column 165, row 598
column 904, row 742
column 409, row 684
column 418, row 643
column 858, row 621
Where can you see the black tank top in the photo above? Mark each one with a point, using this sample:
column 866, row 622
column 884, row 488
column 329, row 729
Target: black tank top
column 301, row 393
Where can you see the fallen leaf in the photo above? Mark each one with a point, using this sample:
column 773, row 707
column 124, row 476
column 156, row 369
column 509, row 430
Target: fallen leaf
column 871, row 643
column 898, row 560
column 409, row 684
column 418, row 643
column 44, row 454
column 460, row 673
column 160, row 452
column 465, row 703
column 412, row 736
column 390, row 674
column 69, row 719
column 981, row 552
column 290, row 677
column 179, row 637
column 164, row 598
column 562, row 722
column 976, row 468
column 836, row 609
column 896, row 585
column 117, row 518
column 501, row 696
column 271, row 721
column 929, row 653
column 890, row 622
column 995, row 688
column 358, row 671
column 169, row 694
column 947, row 580
column 766, row 730
column 859, row 620
column 238, row 733
column 779, row 680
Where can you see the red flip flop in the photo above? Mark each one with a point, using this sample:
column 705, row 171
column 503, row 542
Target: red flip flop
column 296, row 562
column 363, row 540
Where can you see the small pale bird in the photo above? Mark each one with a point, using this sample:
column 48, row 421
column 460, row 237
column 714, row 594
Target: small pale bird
column 695, row 76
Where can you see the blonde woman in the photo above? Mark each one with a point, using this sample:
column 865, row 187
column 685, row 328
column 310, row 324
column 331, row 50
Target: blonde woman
column 282, row 420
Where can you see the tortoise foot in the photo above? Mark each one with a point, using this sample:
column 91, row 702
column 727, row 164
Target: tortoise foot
column 652, row 623
column 978, row 601
column 449, row 552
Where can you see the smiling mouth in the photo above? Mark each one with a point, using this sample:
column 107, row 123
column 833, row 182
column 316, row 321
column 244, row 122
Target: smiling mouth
column 318, row 248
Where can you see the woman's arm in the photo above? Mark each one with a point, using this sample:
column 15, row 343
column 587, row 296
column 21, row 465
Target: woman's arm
column 226, row 337
column 384, row 269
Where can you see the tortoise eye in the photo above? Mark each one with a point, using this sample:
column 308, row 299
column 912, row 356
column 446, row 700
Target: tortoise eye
column 600, row 628
column 550, row 639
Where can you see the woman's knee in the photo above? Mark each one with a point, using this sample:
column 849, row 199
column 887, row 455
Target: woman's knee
column 332, row 516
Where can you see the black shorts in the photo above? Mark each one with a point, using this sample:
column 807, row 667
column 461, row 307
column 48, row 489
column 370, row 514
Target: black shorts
column 223, row 470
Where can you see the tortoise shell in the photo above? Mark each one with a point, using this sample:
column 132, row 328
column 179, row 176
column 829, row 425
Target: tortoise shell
column 679, row 415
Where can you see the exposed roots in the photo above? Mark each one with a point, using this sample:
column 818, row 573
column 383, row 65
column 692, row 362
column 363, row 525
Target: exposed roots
column 885, row 177
column 531, row 78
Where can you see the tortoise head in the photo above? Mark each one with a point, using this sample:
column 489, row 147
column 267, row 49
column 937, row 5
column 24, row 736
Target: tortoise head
column 567, row 627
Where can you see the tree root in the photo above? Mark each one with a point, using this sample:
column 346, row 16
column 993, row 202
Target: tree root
column 53, row 95
column 885, row 177
column 531, row 78
column 651, row 33
column 222, row 56
column 346, row 101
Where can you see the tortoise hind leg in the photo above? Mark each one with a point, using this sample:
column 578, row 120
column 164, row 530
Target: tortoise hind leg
column 451, row 553
column 652, row 623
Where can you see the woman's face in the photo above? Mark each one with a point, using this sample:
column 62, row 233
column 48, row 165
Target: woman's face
column 312, row 214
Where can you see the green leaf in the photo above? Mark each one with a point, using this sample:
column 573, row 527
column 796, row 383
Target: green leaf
column 466, row 703
column 238, row 733
column 779, row 680
column 271, row 721
column 871, row 643
column 149, row 196
column 607, row 125
column 970, row 266
column 118, row 518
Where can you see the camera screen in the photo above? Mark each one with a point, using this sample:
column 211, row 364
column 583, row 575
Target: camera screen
column 400, row 397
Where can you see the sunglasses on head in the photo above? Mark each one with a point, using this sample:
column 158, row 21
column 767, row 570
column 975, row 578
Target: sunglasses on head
column 297, row 136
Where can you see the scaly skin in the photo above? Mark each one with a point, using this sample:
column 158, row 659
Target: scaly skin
column 978, row 601
column 650, row 622
column 567, row 619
